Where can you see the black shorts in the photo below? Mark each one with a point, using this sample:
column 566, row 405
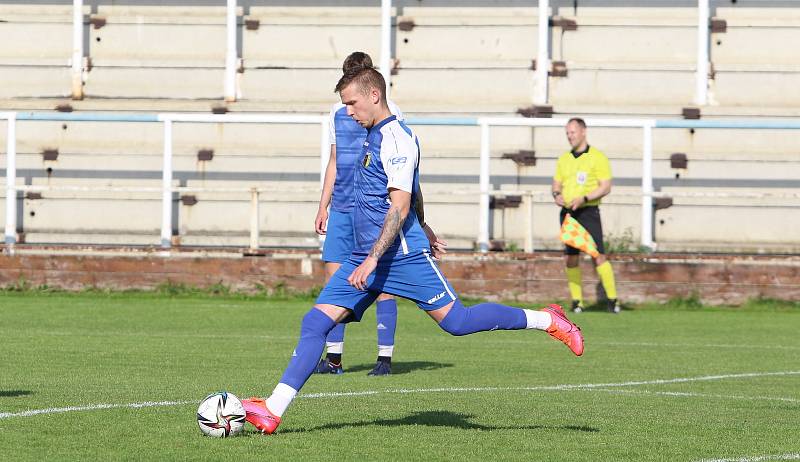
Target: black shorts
column 589, row 218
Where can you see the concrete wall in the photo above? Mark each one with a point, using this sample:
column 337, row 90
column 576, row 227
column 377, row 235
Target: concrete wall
column 619, row 58
column 474, row 59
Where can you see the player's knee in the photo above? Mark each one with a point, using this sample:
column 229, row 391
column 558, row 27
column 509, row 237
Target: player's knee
column 315, row 322
column 599, row 260
column 455, row 323
column 385, row 297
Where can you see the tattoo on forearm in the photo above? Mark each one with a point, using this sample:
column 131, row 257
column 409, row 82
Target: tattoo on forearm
column 391, row 227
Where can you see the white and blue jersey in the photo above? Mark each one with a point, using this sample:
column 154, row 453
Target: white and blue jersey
column 348, row 136
column 389, row 160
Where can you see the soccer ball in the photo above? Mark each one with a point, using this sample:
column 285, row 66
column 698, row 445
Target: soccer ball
column 220, row 415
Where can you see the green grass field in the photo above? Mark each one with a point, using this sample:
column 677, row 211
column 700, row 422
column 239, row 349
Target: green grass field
column 680, row 383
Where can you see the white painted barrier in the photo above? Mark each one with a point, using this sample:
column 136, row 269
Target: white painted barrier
column 169, row 119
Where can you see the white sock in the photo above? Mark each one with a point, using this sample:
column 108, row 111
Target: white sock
column 385, row 350
column 538, row 319
column 280, row 399
column 336, row 348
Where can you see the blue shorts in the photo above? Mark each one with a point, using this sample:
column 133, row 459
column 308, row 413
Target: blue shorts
column 339, row 239
column 415, row 277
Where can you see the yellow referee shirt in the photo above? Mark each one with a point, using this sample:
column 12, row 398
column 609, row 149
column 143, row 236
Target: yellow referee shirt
column 579, row 177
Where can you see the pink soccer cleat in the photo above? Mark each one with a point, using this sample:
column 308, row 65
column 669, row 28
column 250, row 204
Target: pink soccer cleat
column 563, row 329
column 258, row 415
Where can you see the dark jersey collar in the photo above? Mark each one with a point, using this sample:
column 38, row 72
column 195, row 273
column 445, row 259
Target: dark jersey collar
column 578, row 154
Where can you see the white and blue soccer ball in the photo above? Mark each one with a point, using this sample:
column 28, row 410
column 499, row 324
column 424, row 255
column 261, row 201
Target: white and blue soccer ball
column 221, row 415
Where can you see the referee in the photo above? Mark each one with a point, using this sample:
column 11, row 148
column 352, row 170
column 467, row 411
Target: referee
column 582, row 179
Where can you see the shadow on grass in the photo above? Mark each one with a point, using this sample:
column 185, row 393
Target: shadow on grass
column 435, row 419
column 401, row 367
column 14, row 393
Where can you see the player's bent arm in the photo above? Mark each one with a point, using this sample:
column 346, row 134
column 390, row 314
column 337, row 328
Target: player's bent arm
column 327, row 192
column 438, row 246
column 602, row 190
column 556, row 192
column 330, row 179
column 393, row 223
column 419, row 207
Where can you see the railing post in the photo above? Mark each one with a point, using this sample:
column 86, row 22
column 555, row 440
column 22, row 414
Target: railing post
column 483, row 220
column 11, row 182
column 255, row 230
column 701, row 89
column 386, row 43
column 166, row 188
column 528, row 199
column 77, row 49
column 543, row 56
column 231, row 57
column 647, row 188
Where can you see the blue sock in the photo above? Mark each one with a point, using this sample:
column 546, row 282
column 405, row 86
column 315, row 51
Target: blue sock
column 314, row 328
column 336, row 335
column 387, row 324
column 482, row 317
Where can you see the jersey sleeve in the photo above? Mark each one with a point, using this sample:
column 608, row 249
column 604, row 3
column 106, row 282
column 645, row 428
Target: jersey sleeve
column 558, row 175
column 332, row 124
column 603, row 169
column 396, row 110
column 399, row 156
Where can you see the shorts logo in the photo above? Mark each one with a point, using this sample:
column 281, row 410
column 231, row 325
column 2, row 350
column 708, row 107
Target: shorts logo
column 581, row 178
column 398, row 160
column 366, row 160
column 436, row 298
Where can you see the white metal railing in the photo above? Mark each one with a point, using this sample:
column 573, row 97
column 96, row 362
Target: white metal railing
column 703, row 36
column 647, row 165
column 77, row 49
column 231, row 53
column 541, row 77
column 386, row 43
column 169, row 119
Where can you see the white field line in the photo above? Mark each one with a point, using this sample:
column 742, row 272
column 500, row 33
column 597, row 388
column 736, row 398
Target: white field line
column 92, row 407
column 557, row 387
column 795, row 456
column 697, row 395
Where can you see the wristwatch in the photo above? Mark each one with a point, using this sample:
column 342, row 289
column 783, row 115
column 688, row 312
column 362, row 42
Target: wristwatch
column 556, row 194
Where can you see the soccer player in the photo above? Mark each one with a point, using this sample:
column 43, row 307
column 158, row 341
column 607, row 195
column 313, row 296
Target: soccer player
column 391, row 255
column 582, row 179
column 347, row 138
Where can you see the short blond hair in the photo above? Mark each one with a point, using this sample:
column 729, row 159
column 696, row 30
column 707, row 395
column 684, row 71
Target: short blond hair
column 366, row 79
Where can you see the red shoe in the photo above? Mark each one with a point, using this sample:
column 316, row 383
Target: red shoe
column 258, row 415
column 563, row 329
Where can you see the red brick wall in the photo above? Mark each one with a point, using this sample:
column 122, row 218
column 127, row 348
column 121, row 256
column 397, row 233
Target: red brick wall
column 536, row 277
